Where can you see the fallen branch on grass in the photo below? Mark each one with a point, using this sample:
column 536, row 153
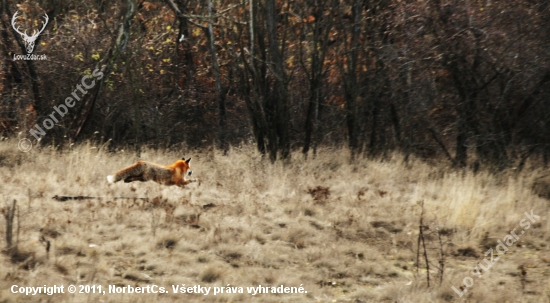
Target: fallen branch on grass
column 65, row 198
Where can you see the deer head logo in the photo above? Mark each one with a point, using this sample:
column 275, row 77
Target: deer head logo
column 29, row 40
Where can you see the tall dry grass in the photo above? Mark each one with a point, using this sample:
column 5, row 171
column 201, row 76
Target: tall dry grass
column 346, row 232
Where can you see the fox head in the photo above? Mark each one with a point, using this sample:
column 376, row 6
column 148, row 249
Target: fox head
column 185, row 166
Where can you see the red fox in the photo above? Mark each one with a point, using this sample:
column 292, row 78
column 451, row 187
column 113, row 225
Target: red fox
column 173, row 174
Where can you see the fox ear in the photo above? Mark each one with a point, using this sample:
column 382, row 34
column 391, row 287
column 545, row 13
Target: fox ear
column 188, row 160
column 183, row 158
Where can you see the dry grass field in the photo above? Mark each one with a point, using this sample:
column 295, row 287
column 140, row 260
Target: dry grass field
column 345, row 233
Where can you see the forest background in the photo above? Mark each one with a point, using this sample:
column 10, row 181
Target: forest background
column 466, row 81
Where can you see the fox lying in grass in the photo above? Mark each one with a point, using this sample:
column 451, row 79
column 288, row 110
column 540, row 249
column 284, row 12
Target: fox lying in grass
column 173, row 174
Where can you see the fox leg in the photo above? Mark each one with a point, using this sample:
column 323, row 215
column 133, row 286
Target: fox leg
column 132, row 179
column 182, row 183
column 135, row 173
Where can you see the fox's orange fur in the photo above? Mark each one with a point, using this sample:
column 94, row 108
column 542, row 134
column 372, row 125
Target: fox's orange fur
column 173, row 174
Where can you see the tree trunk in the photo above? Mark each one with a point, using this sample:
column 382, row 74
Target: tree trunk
column 351, row 87
column 118, row 47
column 311, row 117
column 220, row 91
column 278, row 99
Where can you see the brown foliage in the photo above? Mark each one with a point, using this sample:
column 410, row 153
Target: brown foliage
column 319, row 194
